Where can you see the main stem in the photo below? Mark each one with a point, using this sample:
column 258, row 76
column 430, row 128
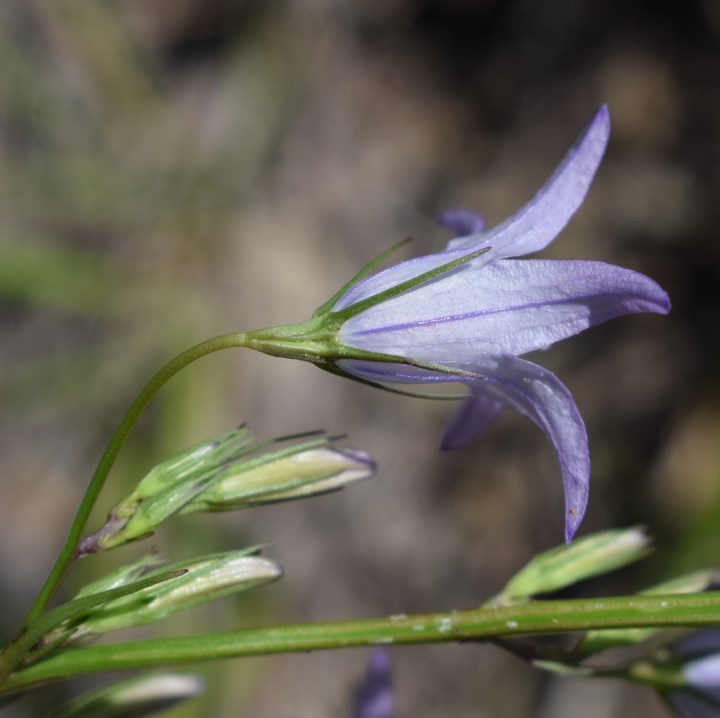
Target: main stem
column 68, row 552
column 481, row 624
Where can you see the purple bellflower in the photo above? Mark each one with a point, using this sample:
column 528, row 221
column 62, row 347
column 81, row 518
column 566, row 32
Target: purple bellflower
column 373, row 697
column 698, row 695
column 466, row 314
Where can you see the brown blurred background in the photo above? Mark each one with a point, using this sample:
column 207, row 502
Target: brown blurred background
column 171, row 170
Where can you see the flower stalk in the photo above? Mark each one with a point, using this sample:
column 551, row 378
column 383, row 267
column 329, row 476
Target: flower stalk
column 68, row 553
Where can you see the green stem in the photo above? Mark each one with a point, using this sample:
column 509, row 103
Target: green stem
column 545, row 617
column 68, row 552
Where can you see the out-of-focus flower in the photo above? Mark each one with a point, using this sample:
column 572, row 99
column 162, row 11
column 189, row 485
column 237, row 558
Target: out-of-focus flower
column 698, row 692
column 374, row 697
column 468, row 313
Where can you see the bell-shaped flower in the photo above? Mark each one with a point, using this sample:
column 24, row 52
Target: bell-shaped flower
column 466, row 314
column 686, row 674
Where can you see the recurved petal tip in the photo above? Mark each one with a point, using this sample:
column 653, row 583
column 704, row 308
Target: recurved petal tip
column 540, row 396
column 539, row 221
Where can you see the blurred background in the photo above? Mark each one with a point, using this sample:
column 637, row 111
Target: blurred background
column 171, row 170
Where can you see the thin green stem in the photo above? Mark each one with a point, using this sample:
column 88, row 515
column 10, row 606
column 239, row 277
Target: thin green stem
column 482, row 624
column 46, row 623
column 68, row 552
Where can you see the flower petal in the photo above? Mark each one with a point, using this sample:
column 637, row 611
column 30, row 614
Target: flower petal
column 528, row 230
column 399, row 273
column 462, row 221
column 374, row 697
column 469, row 421
column 544, row 399
column 520, row 385
column 536, row 225
column 508, row 307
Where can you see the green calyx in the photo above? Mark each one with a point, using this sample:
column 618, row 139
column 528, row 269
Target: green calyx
column 317, row 340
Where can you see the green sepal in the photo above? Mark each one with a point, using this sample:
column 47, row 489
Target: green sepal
column 293, row 472
column 203, row 579
column 205, row 455
column 344, row 314
column 325, row 308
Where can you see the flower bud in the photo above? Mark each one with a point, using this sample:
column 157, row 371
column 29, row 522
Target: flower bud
column 303, row 470
column 565, row 565
column 141, row 696
column 206, row 578
column 227, row 473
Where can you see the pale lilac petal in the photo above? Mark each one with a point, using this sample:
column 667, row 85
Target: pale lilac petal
column 703, row 672
column 508, row 307
column 469, row 421
column 462, row 222
column 397, row 274
column 543, row 398
column 374, row 697
column 389, row 373
column 520, row 385
column 528, row 230
column 536, row 225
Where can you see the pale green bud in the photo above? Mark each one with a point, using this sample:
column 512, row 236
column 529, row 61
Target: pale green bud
column 585, row 557
column 137, row 697
column 300, row 471
column 206, row 578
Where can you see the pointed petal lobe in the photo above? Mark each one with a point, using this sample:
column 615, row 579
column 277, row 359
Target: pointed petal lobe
column 520, row 385
column 540, row 395
column 536, row 225
column 508, row 307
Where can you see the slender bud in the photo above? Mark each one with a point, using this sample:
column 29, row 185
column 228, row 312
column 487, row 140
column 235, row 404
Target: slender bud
column 137, row 697
column 303, row 470
column 228, row 472
column 565, row 565
column 206, row 578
